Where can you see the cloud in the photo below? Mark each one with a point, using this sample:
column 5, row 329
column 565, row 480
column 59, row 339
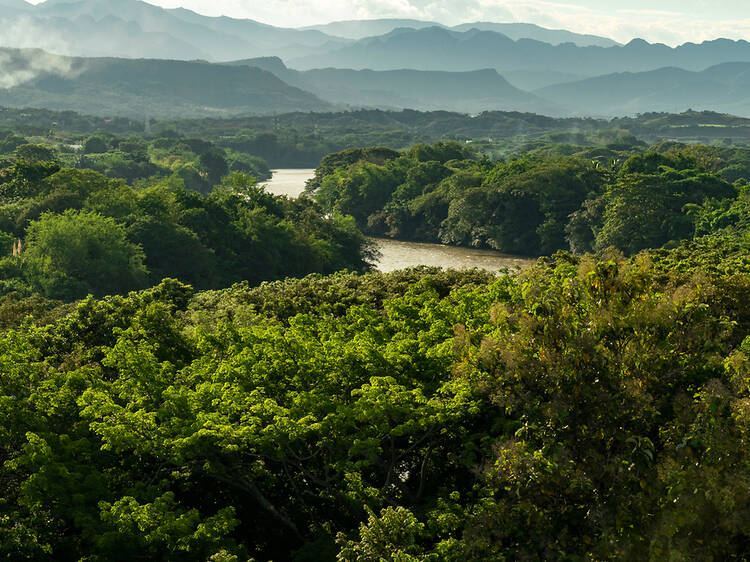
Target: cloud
column 26, row 32
column 19, row 67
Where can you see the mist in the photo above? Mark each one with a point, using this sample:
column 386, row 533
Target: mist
column 18, row 67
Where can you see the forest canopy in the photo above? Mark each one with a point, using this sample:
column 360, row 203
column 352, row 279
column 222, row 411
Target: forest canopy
column 550, row 199
column 73, row 232
column 588, row 408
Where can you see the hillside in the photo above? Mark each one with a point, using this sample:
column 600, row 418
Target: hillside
column 135, row 88
column 436, row 48
column 468, row 92
column 537, row 79
column 721, row 88
column 132, row 28
column 359, row 29
column 518, row 31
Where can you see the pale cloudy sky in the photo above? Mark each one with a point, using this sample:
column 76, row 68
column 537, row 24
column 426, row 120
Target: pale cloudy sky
column 668, row 21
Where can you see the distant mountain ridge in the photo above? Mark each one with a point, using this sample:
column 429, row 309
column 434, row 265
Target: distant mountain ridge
column 437, row 48
column 174, row 89
column 518, row 31
column 94, row 28
column 382, row 64
column 137, row 29
column 724, row 87
column 467, row 92
column 136, row 88
column 360, row 29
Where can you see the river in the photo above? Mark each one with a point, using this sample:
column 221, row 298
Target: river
column 395, row 254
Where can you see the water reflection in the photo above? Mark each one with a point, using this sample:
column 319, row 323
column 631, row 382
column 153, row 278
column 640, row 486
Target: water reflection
column 396, row 255
column 399, row 255
column 289, row 182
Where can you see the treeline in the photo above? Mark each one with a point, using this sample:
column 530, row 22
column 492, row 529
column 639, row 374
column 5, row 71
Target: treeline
column 588, row 408
column 199, row 164
column 66, row 233
column 556, row 197
column 302, row 139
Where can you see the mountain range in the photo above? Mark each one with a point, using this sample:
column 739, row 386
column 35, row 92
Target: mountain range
column 724, row 87
column 437, row 48
column 144, row 87
column 131, row 58
column 466, row 92
column 135, row 29
column 132, row 28
column 359, row 29
column 173, row 89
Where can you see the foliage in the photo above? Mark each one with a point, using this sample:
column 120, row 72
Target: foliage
column 35, row 152
column 588, row 408
column 80, row 232
column 538, row 203
column 78, row 253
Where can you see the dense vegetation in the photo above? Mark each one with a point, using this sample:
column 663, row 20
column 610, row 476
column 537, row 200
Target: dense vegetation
column 593, row 407
column 302, row 139
column 556, row 197
column 66, row 233
column 199, row 164
column 589, row 408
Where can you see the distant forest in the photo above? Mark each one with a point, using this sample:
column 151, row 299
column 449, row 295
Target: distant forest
column 301, row 140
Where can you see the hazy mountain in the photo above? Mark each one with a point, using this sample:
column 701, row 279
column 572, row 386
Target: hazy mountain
column 468, row 92
column 267, row 39
column 359, row 29
column 724, row 87
column 134, row 88
column 735, row 75
column 531, row 31
column 537, row 79
column 418, row 65
column 148, row 18
column 436, row 48
column 132, row 28
column 110, row 36
column 277, row 67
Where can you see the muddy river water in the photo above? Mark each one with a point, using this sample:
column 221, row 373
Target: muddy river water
column 395, row 254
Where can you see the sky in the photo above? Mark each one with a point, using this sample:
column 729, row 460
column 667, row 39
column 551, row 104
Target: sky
column 668, row 21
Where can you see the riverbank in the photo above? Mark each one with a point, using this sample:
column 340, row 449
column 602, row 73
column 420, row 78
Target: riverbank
column 397, row 254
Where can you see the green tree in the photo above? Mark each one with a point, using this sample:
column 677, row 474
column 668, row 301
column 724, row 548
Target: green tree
column 393, row 536
column 77, row 253
column 647, row 209
column 213, row 162
column 35, row 153
column 95, row 145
